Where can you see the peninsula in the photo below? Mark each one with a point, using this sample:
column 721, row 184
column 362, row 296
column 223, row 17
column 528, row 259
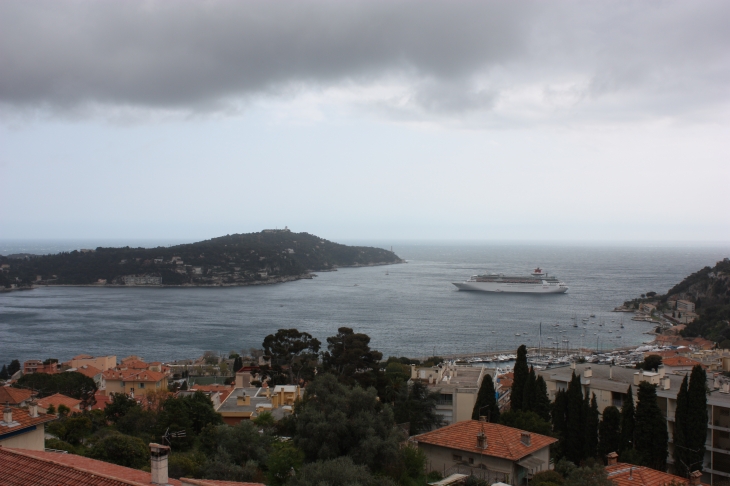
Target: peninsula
column 270, row 256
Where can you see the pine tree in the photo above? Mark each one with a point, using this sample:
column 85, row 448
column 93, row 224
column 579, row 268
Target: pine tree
column 14, row 367
column 575, row 423
column 651, row 436
column 591, row 427
column 486, row 403
column 609, row 431
column 696, row 418
column 518, row 384
column 4, row 373
column 542, row 400
column 529, row 393
column 628, row 422
column 681, row 417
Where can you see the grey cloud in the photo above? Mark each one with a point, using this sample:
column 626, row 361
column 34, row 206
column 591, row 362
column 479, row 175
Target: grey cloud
column 198, row 56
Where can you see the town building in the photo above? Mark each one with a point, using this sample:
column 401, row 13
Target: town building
column 57, row 400
column 91, row 372
column 457, row 387
column 37, row 366
column 22, row 467
column 685, row 306
column 680, row 363
column 488, row 451
column 142, row 279
column 17, row 397
column 622, row 474
column 23, row 428
column 133, row 381
column 101, row 362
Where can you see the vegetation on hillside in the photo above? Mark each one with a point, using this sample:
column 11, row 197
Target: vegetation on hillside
column 230, row 259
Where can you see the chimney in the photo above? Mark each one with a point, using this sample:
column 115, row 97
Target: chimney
column 572, row 365
column 666, row 383
column 716, row 383
column 414, row 373
column 33, row 408
column 430, row 380
column 526, row 438
column 588, row 372
column 660, row 370
column 8, row 414
column 482, row 418
column 243, row 400
column 637, row 377
column 612, row 459
column 725, row 387
column 159, row 454
column 275, row 400
column 481, row 440
column 695, row 478
column 610, row 372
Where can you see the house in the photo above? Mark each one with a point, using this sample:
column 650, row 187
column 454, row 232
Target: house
column 57, row 400
column 489, row 451
column 456, row 385
column 622, row 474
column 685, row 306
column 133, row 381
column 647, row 309
column 37, row 366
column 246, row 402
column 92, row 372
column 101, row 362
column 680, row 363
column 22, row 467
column 17, row 397
column 23, row 428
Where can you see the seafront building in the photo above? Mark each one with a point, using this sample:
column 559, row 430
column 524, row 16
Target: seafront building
column 610, row 385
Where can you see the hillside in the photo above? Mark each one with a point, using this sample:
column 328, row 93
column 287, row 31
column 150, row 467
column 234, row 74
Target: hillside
column 238, row 259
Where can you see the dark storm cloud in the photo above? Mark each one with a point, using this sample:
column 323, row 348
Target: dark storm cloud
column 198, row 56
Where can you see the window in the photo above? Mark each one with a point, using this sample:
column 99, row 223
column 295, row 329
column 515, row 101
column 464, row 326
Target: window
column 724, row 411
column 457, row 458
column 471, row 460
column 122, row 384
column 141, row 385
column 446, row 399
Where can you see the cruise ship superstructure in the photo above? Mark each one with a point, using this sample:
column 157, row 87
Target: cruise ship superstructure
column 538, row 282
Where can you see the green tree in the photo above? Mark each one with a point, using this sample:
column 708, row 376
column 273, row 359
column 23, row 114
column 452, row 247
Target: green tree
column 118, row 407
column 4, row 375
column 69, row 383
column 121, row 449
column 293, row 355
column 521, row 373
column 341, row 471
column 650, row 363
column 51, row 410
column 71, row 429
column 593, row 474
column 547, row 478
column 416, row 405
column 349, row 355
column 13, row 367
column 529, row 393
column 574, row 439
column 628, row 422
column 524, row 420
column 542, row 405
column 283, row 462
column 559, row 412
column 697, row 418
column 334, row 420
column 486, row 403
column 237, row 364
column 681, row 419
column 591, row 427
column 651, row 436
column 241, row 443
column 190, row 413
column 609, row 431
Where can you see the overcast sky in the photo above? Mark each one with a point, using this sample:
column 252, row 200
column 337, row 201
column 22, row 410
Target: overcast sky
column 366, row 120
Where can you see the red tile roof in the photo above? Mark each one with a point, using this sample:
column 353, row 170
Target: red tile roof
column 132, row 375
column 101, row 401
column 215, row 482
column 224, row 390
column 88, row 370
column 22, row 417
column 22, row 467
column 58, row 399
column 133, row 364
column 502, row 441
column 622, row 474
column 13, row 396
column 680, row 361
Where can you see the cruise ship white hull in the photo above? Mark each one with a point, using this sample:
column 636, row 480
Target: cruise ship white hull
column 521, row 288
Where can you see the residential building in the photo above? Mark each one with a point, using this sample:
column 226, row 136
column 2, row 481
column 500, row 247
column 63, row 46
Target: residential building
column 247, row 402
column 457, row 387
column 57, row 400
column 142, row 279
column 680, row 363
column 622, row 474
column 101, row 362
column 17, row 397
column 133, row 381
column 647, row 309
column 37, row 366
column 92, row 372
column 21, row 467
column 685, row 306
column 491, row 452
column 23, row 428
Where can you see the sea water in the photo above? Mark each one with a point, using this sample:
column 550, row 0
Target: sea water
column 410, row 309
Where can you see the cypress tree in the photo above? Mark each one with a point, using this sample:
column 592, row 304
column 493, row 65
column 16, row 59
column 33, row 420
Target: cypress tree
column 651, row 436
column 609, row 431
column 591, row 427
column 628, row 422
column 4, row 373
column 237, row 364
column 521, row 373
column 559, row 412
column 696, row 418
column 14, row 367
column 529, row 393
column 574, row 423
column 542, row 400
column 680, row 431
column 486, row 403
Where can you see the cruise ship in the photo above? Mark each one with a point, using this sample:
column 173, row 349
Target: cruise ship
column 538, row 282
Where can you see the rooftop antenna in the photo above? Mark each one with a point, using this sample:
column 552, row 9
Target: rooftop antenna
column 172, row 435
